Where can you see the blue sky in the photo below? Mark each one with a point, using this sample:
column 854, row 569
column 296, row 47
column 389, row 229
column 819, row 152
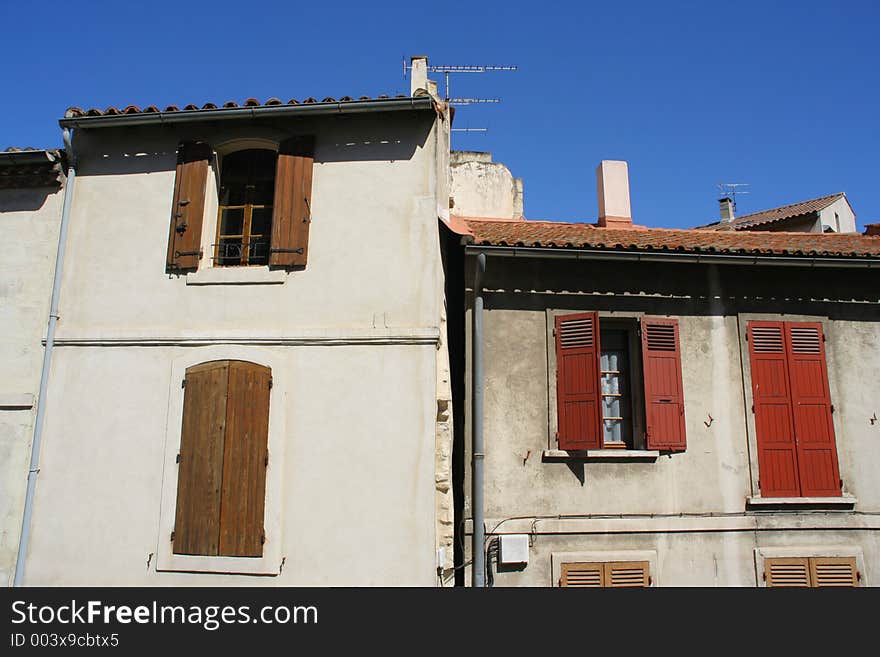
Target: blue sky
column 782, row 95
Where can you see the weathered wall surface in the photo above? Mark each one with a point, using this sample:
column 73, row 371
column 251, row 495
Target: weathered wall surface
column 352, row 341
column 30, row 218
column 689, row 507
column 483, row 188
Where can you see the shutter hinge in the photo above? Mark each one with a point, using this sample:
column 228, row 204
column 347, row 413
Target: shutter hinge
column 270, row 383
column 759, row 483
column 753, row 409
column 181, row 228
column 554, row 331
column 172, row 536
column 263, row 537
column 266, row 461
column 764, row 575
column 841, row 484
column 183, row 384
column 177, row 458
column 832, row 408
column 823, row 337
column 299, row 250
column 178, row 254
column 183, row 202
column 858, row 576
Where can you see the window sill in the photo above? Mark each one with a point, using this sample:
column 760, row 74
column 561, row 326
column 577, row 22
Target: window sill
column 237, row 276
column 602, row 455
column 845, row 503
column 13, row 402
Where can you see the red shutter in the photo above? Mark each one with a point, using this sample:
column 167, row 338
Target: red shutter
column 811, row 405
column 577, row 381
column 777, row 453
column 188, row 207
column 292, row 211
column 664, row 397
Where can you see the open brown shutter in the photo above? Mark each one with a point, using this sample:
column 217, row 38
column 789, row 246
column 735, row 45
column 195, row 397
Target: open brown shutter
column 200, row 473
column 625, row 574
column 582, row 575
column 293, row 202
column 811, row 406
column 188, row 207
column 577, row 381
column 664, row 396
column 245, row 458
column 787, row 572
column 833, row 571
column 777, row 454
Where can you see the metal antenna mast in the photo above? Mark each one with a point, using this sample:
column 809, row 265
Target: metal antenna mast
column 731, row 190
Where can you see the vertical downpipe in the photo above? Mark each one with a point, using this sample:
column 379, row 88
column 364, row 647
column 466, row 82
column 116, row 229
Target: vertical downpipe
column 479, row 531
column 34, row 468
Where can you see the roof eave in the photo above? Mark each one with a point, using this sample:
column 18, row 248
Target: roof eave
column 232, row 113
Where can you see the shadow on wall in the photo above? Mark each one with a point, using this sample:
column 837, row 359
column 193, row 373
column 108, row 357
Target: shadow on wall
column 390, row 136
column 25, row 200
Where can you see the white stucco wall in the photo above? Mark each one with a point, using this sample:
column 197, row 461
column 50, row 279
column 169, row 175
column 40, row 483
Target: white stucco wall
column 354, row 339
column 839, row 217
column 30, row 219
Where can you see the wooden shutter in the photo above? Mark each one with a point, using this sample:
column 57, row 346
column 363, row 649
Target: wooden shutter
column 292, row 204
column 221, row 483
column 577, row 381
column 787, row 572
column 244, row 461
column 626, row 574
column 833, row 571
column 188, row 207
column 777, row 453
column 811, row 406
column 200, row 469
column 582, row 575
column 664, row 396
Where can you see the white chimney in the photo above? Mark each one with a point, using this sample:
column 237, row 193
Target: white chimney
column 418, row 73
column 612, row 188
column 726, row 206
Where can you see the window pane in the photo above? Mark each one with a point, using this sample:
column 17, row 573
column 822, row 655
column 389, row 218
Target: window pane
column 262, row 181
column 229, row 251
column 616, row 402
column 259, row 252
column 261, row 221
column 231, row 221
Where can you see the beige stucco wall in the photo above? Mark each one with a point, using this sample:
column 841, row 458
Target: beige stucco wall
column 483, row 188
column 688, row 508
column 30, row 219
column 843, row 222
column 353, row 339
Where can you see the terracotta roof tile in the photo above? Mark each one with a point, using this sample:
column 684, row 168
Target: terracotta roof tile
column 747, row 221
column 557, row 235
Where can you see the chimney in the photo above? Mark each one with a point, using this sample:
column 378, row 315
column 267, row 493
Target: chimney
column 418, row 73
column 612, row 188
column 726, row 205
column 872, row 229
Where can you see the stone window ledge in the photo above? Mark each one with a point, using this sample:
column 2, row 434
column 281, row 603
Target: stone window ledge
column 602, row 455
column 237, row 276
column 845, row 503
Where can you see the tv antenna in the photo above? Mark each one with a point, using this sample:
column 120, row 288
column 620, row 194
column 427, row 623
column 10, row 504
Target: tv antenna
column 731, row 190
column 446, row 70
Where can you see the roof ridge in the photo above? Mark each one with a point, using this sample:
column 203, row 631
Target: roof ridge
column 790, row 205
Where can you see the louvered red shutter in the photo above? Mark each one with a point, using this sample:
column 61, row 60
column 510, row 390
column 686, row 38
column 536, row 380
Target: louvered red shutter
column 188, row 207
column 627, row 574
column 582, row 575
column 200, row 469
column 244, row 462
column 811, row 404
column 292, row 211
column 833, row 571
column 664, row 396
column 787, row 572
column 777, row 453
column 577, row 381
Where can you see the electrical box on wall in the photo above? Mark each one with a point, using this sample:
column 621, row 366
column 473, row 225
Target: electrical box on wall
column 514, row 548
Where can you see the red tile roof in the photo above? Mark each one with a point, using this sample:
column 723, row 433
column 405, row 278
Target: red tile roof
column 556, row 235
column 747, row 221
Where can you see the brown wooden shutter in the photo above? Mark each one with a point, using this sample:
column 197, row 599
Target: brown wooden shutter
column 582, row 575
column 293, row 202
column 833, row 571
column 200, row 470
column 623, row 574
column 777, row 453
column 664, row 395
column 188, row 207
column 244, row 462
column 811, row 406
column 577, row 381
column 787, row 572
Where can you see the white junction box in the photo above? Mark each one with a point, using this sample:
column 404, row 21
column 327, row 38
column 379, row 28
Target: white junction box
column 514, row 548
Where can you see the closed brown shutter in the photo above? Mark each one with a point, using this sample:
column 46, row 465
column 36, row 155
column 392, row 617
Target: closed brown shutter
column 200, row 470
column 292, row 211
column 221, row 484
column 188, row 207
column 787, row 572
column 623, row 574
column 833, row 571
column 244, row 462
column 577, row 381
column 582, row 575
column 664, row 395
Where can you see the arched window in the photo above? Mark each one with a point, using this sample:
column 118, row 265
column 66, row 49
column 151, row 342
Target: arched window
column 221, row 479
